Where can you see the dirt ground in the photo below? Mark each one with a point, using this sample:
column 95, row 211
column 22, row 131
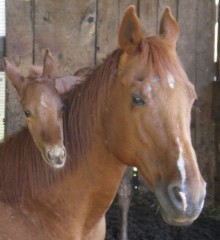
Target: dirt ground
column 145, row 224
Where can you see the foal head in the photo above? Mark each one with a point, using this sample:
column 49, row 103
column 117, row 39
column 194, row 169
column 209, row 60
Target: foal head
column 42, row 107
column 152, row 98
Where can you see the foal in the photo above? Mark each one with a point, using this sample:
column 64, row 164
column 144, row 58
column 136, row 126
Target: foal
column 42, row 105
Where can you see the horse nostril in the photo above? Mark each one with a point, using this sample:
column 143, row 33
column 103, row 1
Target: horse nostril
column 176, row 191
column 178, row 197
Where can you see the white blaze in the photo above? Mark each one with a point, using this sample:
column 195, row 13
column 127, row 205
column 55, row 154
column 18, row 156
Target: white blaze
column 170, row 80
column 182, row 170
column 181, row 163
column 42, row 101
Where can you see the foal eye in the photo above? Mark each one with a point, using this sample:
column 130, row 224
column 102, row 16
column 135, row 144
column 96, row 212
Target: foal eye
column 138, row 100
column 27, row 113
column 61, row 111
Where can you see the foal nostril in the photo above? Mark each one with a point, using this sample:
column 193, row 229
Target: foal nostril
column 63, row 153
column 49, row 155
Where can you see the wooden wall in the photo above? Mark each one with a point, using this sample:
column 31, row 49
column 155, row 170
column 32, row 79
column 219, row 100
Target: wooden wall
column 81, row 32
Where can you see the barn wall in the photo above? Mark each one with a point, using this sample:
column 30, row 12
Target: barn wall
column 81, row 33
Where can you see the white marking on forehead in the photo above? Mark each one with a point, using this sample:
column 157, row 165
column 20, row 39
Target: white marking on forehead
column 181, row 163
column 42, row 101
column 149, row 88
column 170, row 80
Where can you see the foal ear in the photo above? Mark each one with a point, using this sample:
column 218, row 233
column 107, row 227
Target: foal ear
column 130, row 33
column 49, row 65
column 17, row 80
column 169, row 27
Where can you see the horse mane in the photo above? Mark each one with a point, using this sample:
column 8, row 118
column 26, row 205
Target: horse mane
column 84, row 103
column 35, row 72
column 162, row 58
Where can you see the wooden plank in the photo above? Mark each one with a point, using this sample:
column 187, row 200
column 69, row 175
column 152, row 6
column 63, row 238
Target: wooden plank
column 148, row 12
column 187, row 20
column 68, row 29
column 204, row 77
column 107, row 29
column 19, row 46
column 110, row 14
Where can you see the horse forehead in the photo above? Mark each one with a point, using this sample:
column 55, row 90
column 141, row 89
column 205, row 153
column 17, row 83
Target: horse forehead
column 41, row 94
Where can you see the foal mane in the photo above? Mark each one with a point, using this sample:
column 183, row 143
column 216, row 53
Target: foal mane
column 35, row 72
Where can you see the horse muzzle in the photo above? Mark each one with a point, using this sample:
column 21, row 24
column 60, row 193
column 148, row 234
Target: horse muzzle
column 56, row 156
column 180, row 205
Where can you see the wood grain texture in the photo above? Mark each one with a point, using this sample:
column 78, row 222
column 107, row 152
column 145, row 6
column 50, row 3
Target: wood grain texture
column 186, row 46
column 204, row 77
column 107, row 29
column 19, row 46
column 148, row 12
column 68, row 29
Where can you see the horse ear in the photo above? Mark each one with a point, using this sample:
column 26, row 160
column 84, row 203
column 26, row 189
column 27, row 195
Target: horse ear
column 130, row 33
column 64, row 84
column 49, row 65
column 169, row 27
column 17, row 80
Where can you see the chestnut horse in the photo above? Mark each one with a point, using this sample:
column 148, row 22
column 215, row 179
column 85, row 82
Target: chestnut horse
column 133, row 109
column 40, row 100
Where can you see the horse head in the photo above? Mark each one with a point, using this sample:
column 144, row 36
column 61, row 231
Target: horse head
column 152, row 99
column 42, row 105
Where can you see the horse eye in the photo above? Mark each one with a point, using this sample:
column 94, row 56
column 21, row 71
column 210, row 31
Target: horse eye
column 137, row 100
column 27, row 113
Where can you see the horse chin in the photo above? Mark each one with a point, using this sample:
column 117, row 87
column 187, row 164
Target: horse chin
column 176, row 222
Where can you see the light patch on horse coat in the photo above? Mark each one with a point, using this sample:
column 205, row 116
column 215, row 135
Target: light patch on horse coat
column 182, row 170
column 170, row 80
column 184, row 201
column 149, row 88
column 42, row 101
column 181, row 163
